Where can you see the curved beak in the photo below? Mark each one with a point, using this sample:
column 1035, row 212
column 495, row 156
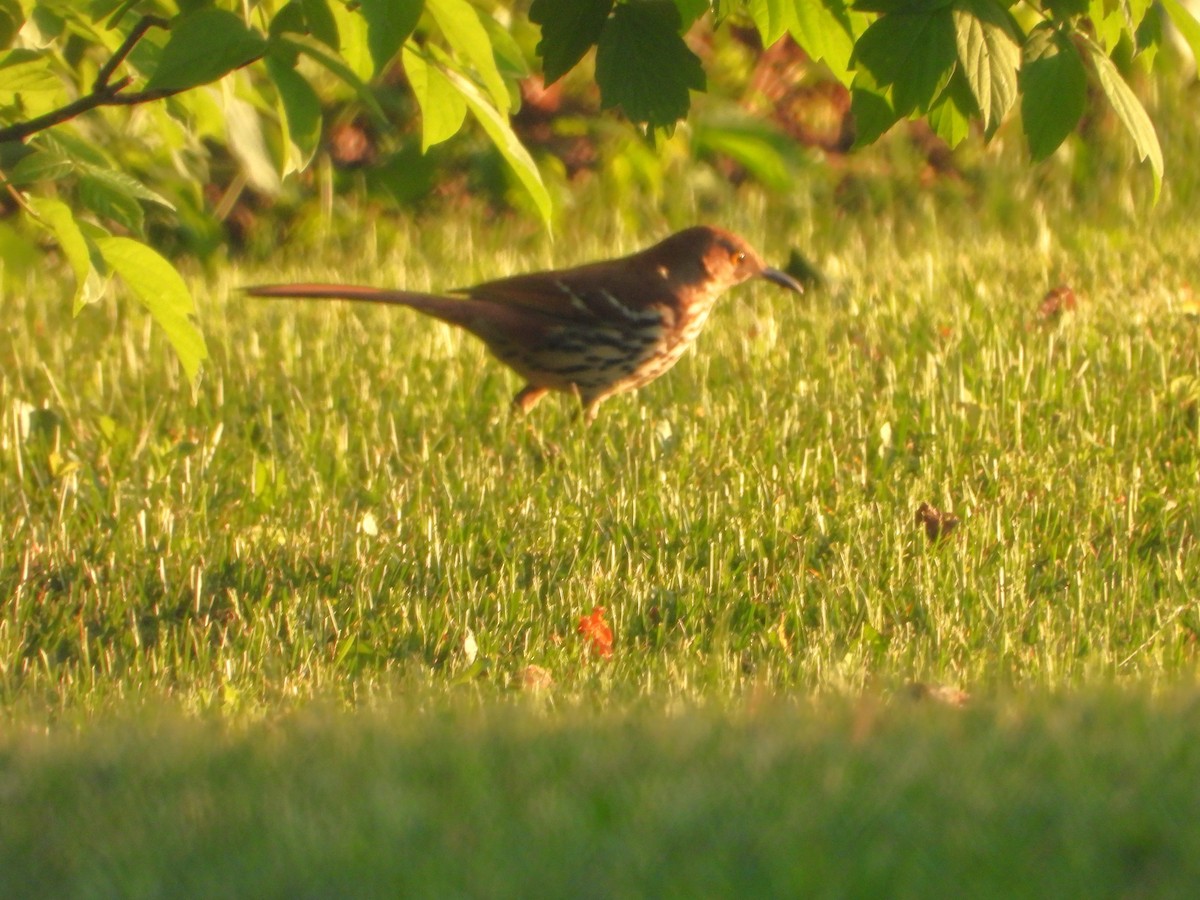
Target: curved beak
column 783, row 279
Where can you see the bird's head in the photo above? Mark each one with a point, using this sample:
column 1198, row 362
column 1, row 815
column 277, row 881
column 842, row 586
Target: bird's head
column 724, row 258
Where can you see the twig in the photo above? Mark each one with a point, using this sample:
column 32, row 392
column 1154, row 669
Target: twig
column 103, row 93
column 145, row 23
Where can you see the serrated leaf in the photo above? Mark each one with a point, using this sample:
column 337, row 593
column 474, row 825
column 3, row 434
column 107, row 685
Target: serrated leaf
column 1186, row 23
column 1149, row 36
column 163, row 292
column 442, row 105
column 827, row 34
column 1129, row 110
column 460, row 25
column 772, row 18
column 1108, row 22
column 1135, row 12
column 40, row 165
column 57, row 216
column 203, row 47
column 300, row 115
column 63, row 142
column 569, row 30
column 950, row 116
column 1053, row 90
column 389, row 23
column 989, row 55
column 644, row 66
column 111, row 203
column 872, row 110
column 914, row 54
column 125, row 184
column 507, row 143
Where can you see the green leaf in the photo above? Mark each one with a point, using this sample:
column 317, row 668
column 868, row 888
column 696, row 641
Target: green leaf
column 1129, row 110
column 1150, row 35
column 12, row 17
column 1066, row 9
column 989, row 55
column 27, row 71
column 1053, row 90
column 752, row 143
column 389, row 23
column 321, row 54
column 569, row 30
column 442, row 105
column 300, row 115
column 889, row 7
column 912, row 53
column 1135, row 12
column 871, row 107
column 57, row 216
column 507, row 143
column 772, row 18
column 352, row 42
column 510, row 58
column 950, row 116
column 126, row 184
column 469, row 40
column 162, row 291
column 203, row 47
column 644, row 66
column 1108, row 22
column 41, row 165
column 111, row 203
column 244, row 137
column 1186, row 23
column 289, row 18
column 321, row 23
column 827, row 34
column 691, row 10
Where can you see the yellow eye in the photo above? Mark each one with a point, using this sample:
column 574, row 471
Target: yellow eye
column 737, row 257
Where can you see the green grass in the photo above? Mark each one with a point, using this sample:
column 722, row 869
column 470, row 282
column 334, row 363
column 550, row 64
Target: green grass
column 861, row 799
column 747, row 520
column 273, row 637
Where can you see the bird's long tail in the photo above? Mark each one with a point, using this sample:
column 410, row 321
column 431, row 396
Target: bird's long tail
column 456, row 311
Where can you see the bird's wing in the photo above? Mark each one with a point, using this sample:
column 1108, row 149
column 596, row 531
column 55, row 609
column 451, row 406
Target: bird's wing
column 599, row 292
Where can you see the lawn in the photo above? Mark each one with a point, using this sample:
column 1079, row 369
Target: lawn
column 317, row 625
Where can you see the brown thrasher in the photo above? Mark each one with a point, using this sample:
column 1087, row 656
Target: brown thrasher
column 593, row 330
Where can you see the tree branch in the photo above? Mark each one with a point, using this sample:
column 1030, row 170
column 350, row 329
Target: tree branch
column 102, row 94
column 145, row 23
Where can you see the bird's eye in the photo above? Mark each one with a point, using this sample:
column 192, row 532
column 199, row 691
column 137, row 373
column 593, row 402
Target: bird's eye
column 738, row 257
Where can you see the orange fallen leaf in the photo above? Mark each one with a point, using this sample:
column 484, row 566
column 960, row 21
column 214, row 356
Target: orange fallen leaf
column 597, row 631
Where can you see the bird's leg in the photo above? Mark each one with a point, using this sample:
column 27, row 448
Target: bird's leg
column 589, row 404
column 527, row 397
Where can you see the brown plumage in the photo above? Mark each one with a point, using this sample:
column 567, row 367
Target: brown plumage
column 594, row 330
